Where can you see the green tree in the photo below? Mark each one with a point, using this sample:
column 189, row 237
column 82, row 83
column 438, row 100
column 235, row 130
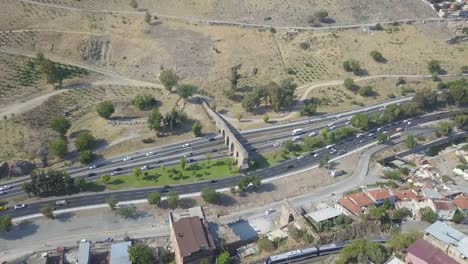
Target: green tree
column 426, row 99
column 410, row 142
column 281, row 95
column 84, row 141
column 154, row 198
column 208, row 158
column 458, row 217
column 49, row 182
column 434, row 66
column 174, row 118
column 376, row 55
column 399, row 242
column 366, row 90
column 27, row 188
column 443, row 129
column 127, row 212
column 143, row 102
column 349, row 84
column 235, row 76
column 265, row 244
column 136, row 172
column 256, row 182
column 60, row 125
column 197, row 129
column 183, row 163
column 80, row 183
column 141, row 254
column 155, row 119
column 112, row 202
column 239, row 116
column 428, row 215
column 168, row 78
column 48, row 211
column 266, row 118
column 382, row 138
column 210, row 195
column 133, row 3
column 401, row 214
column 457, row 93
column 352, row 66
column 321, row 15
column 307, row 109
column 361, row 121
column 251, row 101
column 230, row 94
column 86, row 157
column 324, row 161
column 224, row 258
column 105, row 109
column 106, row 178
column 362, row 251
column 243, row 184
column 172, row 199
column 461, row 121
column 185, row 90
column 5, row 223
column 147, row 18
column 295, row 233
column 59, row 148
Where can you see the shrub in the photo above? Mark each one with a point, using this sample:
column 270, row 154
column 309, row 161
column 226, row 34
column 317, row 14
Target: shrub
column 197, row 129
column 143, row 102
column 304, row 45
column 434, row 66
column 105, row 109
column 59, row 148
column 307, row 109
column 84, row 141
column 210, row 195
column 352, row 66
column 60, row 125
column 86, row 156
column 366, row 90
column 290, row 71
column 168, row 78
column 185, row 90
column 349, row 83
column 376, row 55
column 264, row 244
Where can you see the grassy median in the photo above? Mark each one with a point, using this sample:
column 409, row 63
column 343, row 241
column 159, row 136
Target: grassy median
column 195, row 172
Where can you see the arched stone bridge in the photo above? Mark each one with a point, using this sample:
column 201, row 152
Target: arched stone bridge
column 239, row 153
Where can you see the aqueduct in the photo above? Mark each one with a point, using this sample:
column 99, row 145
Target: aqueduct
column 235, row 147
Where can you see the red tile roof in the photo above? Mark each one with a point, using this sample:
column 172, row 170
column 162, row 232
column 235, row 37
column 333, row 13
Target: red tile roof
column 428, row 253
column 406, row 195
column 461, row 201
column 379, row 194
column 192, row 235
column 355, row 202
column 445, row 205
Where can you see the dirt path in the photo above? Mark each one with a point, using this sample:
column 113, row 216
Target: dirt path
column 310, row 87
column 21, row 107
column 238, row 24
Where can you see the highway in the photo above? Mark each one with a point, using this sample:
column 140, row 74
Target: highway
column 342, row 147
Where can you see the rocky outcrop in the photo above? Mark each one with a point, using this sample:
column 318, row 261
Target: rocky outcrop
column 4, row 170
column 20, row 168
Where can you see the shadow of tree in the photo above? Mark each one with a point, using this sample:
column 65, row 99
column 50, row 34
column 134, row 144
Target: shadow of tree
column 22, row 230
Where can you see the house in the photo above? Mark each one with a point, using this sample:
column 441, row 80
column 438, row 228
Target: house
column 191, row 240
column 119, row 253
column 83, row 253
column 444, row 208
column 461, row 202
column 449, row 240
column 379, row 196
column 406, row 195
column 423, row 252
column 326, row 214
column 353, row 204
column 409, row 200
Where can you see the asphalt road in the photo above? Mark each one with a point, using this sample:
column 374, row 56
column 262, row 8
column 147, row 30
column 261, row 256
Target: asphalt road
column 287, row 166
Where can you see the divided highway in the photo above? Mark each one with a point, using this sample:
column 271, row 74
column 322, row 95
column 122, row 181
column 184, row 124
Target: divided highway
column 308, row 160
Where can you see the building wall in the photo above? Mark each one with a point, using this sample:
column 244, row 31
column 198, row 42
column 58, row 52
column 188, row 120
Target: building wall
column 412, row 259
column 342, row 210
column 448, row 249
column 175, row 247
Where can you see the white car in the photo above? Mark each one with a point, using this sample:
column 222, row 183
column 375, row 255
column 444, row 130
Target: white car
column 186, row 145
column 332, row 127
column 92, row 166
column 276, row 144
column 371, row 134
column 347, row 123
column 61, row 202
column 296, row 138
column 144, row 167
column 331, row 124
column 311, row 134
column 300, row 157
column 186, row 155
column 19, row 206
column 316, row 155
column 114, row 173
column 127, row 158
column 5, row 187
column 150, row 153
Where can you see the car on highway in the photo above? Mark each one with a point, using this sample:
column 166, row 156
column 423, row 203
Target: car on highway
column 296, row 138
column 145, row 167
column 190, row 160
column 332, row 127
column 362, row 140
column 276, row 144
column 315, row 155
column 91, row 174
column 300, row 157
column 117, row 169
column 5, row 187
column 311, row 134
column 189, row 154
column 290, row 166
column 107, row 239
column 19, row 206
column 213, row 181
column 61, row 202
column 3, row 208
column 332, row 151
column 115, row 173
column 92, row 167
column 309, row 121
column 2, row 193
column 186, row 145
column 371, row 134
column 211, row 139
column 297, row 131
column 127, row 158
column 330, row 146
column 150, row 153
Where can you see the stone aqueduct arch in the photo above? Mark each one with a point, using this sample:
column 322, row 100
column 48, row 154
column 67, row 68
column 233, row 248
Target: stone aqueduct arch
column 239, row 153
